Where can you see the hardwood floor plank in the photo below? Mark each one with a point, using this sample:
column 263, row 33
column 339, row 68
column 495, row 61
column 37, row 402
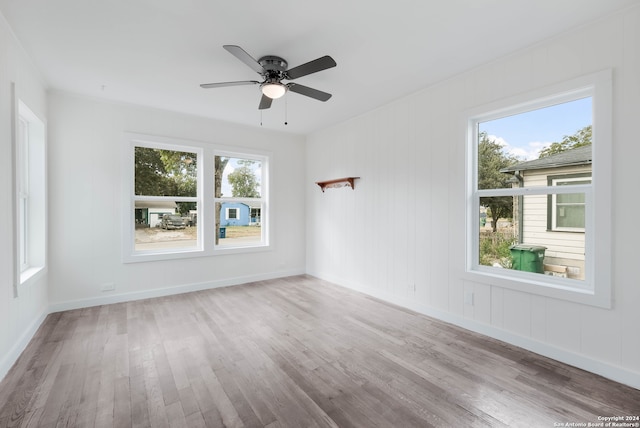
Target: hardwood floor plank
column 291, row 352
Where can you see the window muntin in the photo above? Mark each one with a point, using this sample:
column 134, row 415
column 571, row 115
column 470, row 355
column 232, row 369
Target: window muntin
column 576, row 284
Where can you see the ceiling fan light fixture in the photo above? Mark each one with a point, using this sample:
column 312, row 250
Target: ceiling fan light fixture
column 273, row 90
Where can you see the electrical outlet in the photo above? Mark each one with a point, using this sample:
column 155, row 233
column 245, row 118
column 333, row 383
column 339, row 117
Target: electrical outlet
column 108, row 286
column 468, row 298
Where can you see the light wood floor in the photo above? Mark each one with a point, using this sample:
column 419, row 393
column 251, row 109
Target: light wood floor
column 293, row 352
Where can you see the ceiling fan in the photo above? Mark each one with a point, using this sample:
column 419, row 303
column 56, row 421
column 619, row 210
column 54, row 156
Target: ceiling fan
column 273, row 70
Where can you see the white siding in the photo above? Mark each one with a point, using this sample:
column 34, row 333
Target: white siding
column 410, row 154
column 563, row 248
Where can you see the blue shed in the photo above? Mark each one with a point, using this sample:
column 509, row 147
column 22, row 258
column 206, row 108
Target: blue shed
column 239, row 214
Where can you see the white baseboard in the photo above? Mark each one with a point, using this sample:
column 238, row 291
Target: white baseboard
column 168, row 291
column 615, row 373
column 21, row 344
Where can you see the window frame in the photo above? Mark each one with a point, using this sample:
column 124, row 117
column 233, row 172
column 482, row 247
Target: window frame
column 595, row 289
column 205, row 198
column 29, row 155
column 235, row 213
column 553, row 203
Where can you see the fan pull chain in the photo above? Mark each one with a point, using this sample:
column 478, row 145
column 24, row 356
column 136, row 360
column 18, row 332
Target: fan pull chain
column 260, row 117
column 286, row 98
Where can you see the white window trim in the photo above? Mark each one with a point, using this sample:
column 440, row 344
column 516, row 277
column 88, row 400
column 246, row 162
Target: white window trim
column 30, row 192
column 554, row 205
column 228, row 210
column 596, row 289
column 206, row 205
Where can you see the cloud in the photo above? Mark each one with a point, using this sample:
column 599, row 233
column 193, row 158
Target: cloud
column 525, row 152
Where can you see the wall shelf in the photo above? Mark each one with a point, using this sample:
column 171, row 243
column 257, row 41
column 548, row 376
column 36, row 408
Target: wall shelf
column 338, row 182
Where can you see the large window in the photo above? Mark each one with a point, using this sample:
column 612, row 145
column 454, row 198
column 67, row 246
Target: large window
column 239, row 198
column 189, row 199
column 538, row 188
column 30, row 194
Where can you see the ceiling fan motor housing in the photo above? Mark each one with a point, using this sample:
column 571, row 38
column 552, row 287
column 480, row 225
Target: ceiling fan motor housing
column 273, row 64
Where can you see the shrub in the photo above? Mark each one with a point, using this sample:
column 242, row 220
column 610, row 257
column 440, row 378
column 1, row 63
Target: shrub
column 494, row 248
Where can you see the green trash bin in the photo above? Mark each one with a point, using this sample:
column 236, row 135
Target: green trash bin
column 223, row 232
column 528, row 258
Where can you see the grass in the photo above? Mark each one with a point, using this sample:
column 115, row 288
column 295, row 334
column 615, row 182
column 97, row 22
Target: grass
column 243, row 231
column 156, row 233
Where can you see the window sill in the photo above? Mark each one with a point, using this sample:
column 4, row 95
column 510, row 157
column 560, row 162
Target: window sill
column 31, row 274
column 140, row 256
column 541, row 285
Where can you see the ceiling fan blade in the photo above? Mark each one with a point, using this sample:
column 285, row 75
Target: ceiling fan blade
column 223, row 84
column 311, row 67
column 240, row 53
column 265, row 102
column 309, row 92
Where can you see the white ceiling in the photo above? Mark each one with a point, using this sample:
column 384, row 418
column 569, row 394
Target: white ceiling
column 157, row 52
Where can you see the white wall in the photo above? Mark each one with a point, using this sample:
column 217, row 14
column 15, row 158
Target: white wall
column 19, row 316
column 85, row 161
column 400, row 234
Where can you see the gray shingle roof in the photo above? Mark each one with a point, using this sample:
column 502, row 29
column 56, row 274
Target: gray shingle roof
column 580, row 156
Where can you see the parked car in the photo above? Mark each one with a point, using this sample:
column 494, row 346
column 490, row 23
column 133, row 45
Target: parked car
column 172, row 221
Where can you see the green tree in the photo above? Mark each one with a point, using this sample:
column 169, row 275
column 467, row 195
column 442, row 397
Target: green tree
column 165, row 172
column 149, row 172
column 491, row 159
column 182, row 172
column 243, row 180
column 582, row 137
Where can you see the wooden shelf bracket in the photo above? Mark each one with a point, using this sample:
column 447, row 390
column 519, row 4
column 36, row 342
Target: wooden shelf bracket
column 339, row 182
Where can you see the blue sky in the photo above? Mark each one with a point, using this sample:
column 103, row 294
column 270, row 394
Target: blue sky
column 524, row 135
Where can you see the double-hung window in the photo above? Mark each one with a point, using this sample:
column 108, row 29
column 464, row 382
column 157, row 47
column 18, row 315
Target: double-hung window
column 30, row 194
column 538, row 191
column 240, row 199
column 187, row 199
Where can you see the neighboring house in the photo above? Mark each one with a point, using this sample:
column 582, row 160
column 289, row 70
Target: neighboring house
column 149, row 214
column 556, row 222
column 240, row 214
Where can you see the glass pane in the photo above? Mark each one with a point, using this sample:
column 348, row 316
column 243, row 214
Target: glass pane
column 521, row 237
column 497, row 231
column 571, row 216
column 165, row 225
column 536, row 144
column 165, row 172
column 242, row 228
column 237, row 177
column 571, row 198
